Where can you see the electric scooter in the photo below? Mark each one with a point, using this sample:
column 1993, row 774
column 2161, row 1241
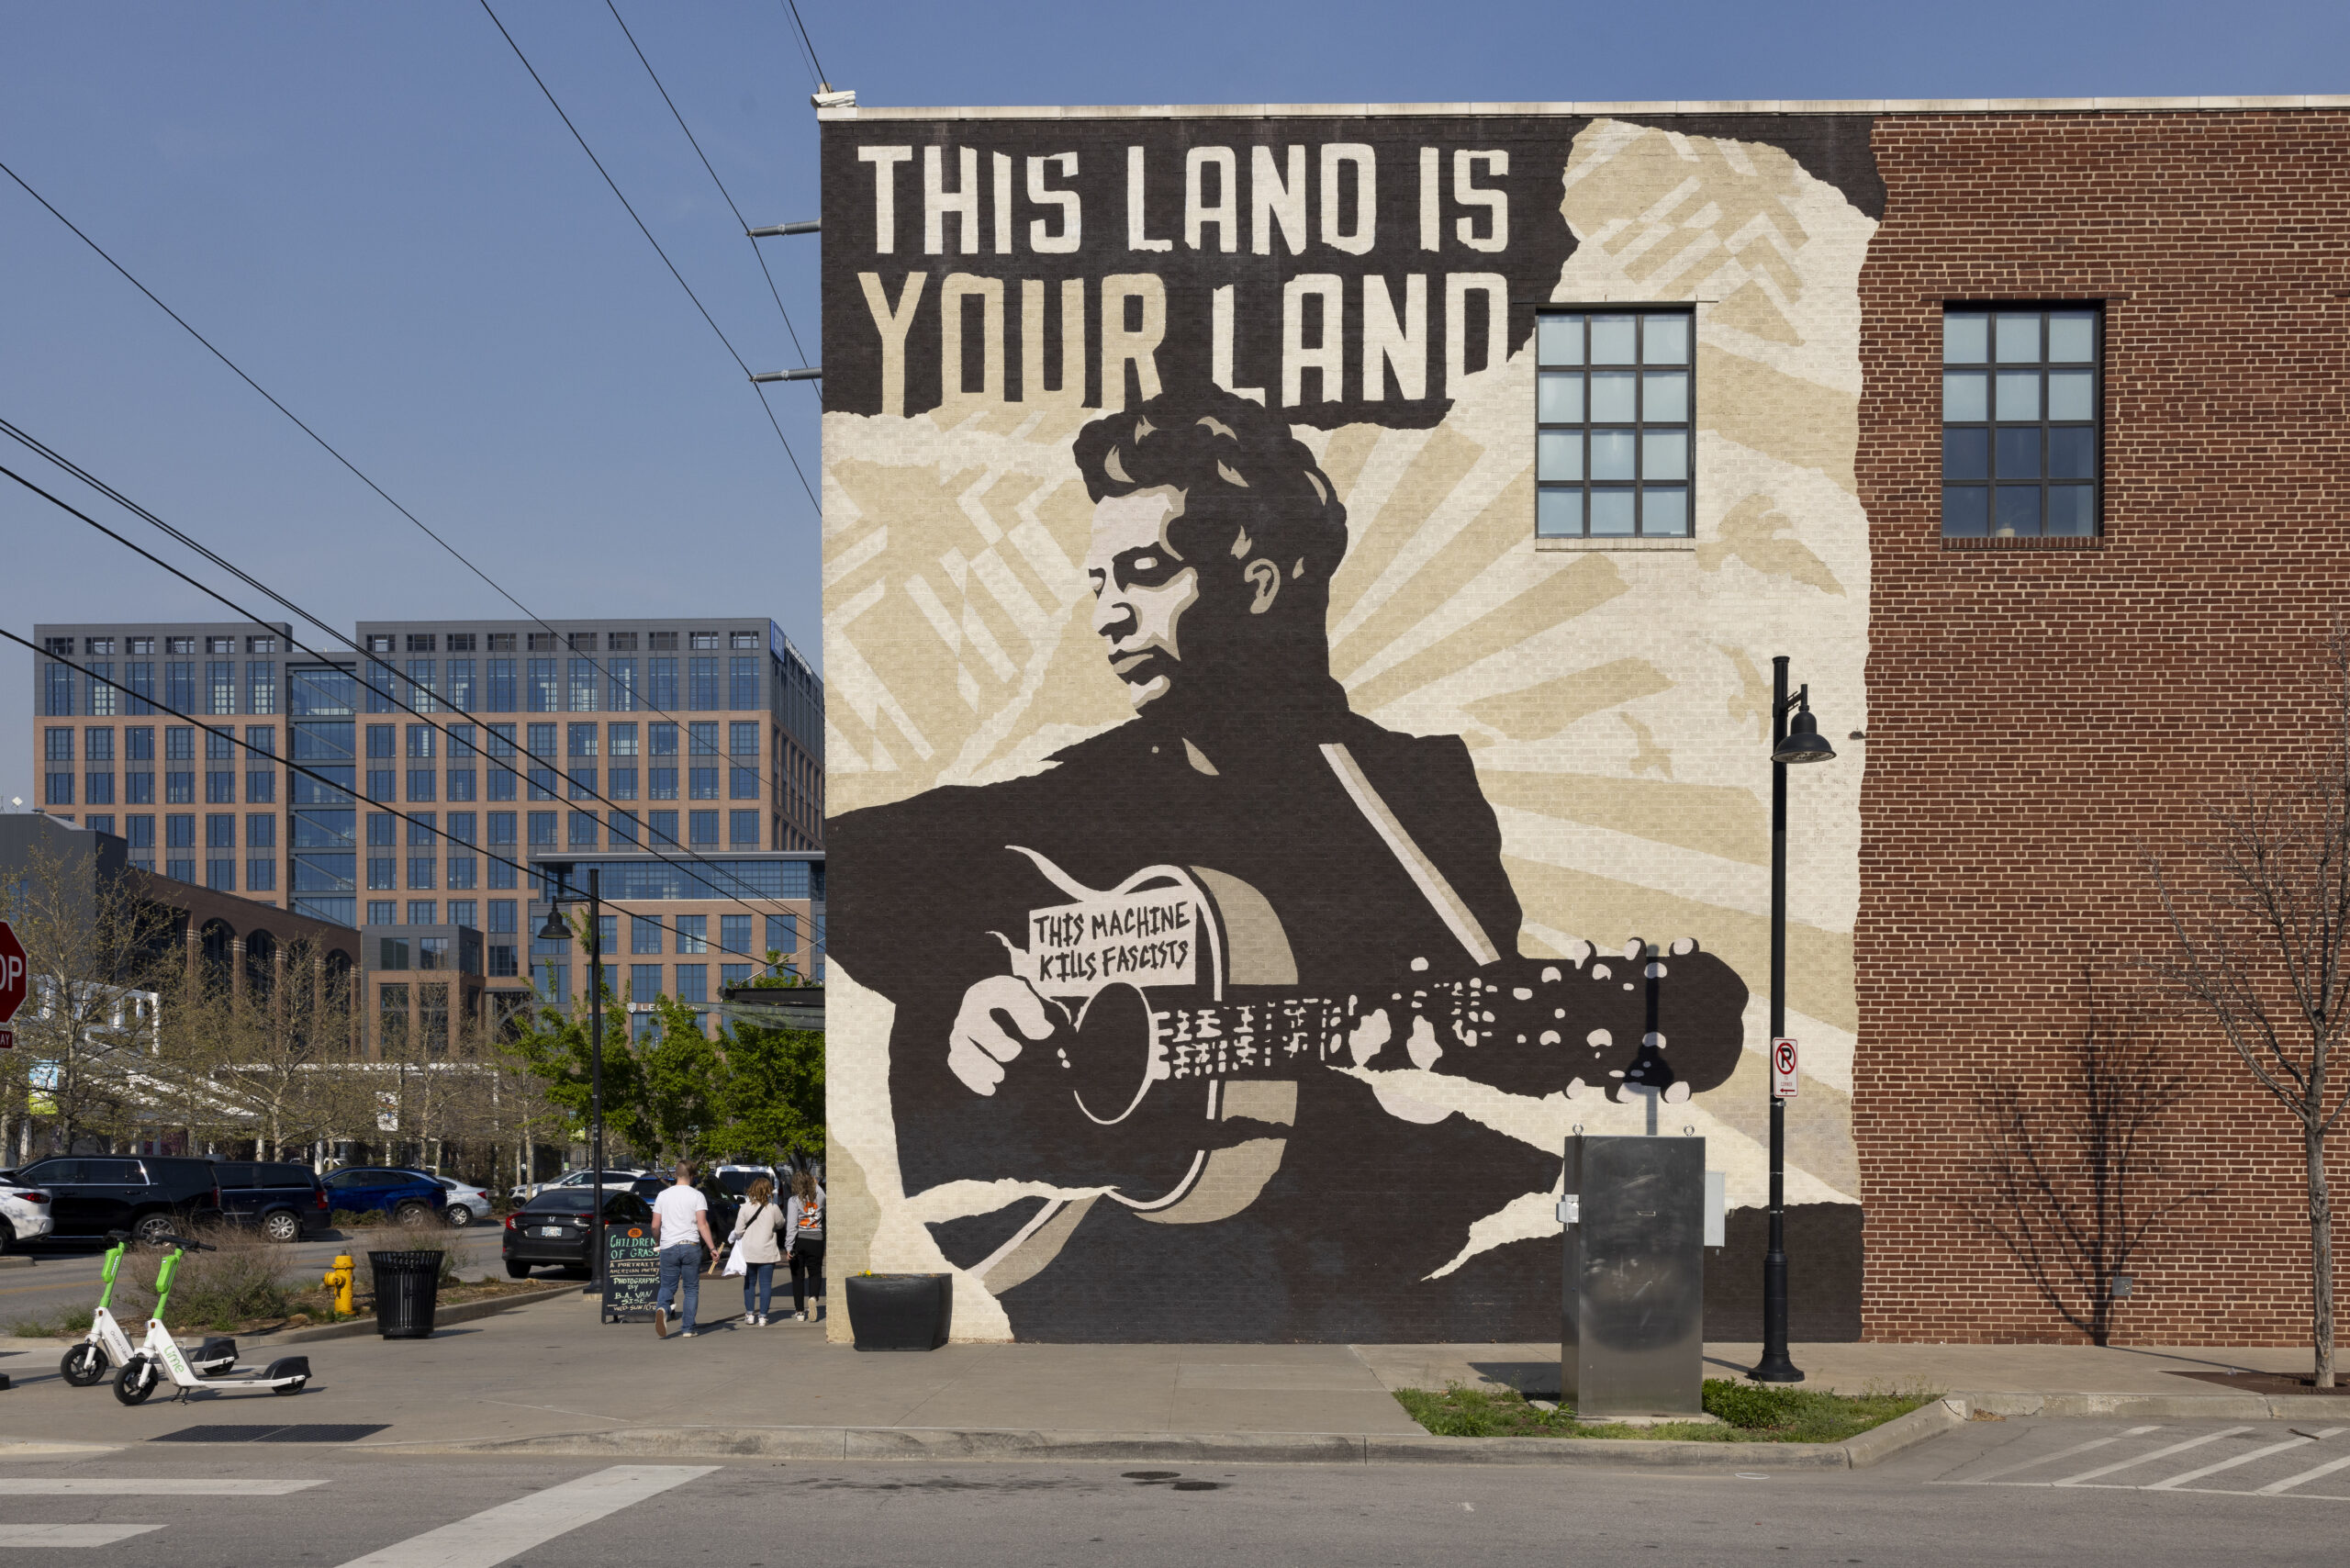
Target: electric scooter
column 159, row 1354
column 108, row 1346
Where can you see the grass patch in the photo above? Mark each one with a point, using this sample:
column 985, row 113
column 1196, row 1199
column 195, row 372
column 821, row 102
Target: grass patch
column 1748, row 1414
column 60, row 1323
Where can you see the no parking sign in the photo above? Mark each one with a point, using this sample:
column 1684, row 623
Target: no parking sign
column 1782, row 1069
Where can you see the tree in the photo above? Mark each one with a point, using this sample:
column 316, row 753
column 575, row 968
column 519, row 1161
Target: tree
column 772, row 1101
column 2261, row 947
column 2064, row 1177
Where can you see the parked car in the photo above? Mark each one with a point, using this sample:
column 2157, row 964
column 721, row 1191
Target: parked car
column 613, row 1177
column 23, row 1214
column 410, row 1197
column 558, row 1227
column 468, row 1205
column 284, row 1202
column 151, row 1196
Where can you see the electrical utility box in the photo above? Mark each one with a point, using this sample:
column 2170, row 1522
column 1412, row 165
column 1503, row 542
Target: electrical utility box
column 1633, row 1324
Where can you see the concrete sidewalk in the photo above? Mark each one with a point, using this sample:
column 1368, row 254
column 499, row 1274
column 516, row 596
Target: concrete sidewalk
column 549, row 1370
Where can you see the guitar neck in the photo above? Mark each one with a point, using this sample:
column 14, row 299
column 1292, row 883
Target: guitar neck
column 1278, row 1035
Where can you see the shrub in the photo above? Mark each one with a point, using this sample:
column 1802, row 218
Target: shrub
column 1750, row 1404
column 431, row 1236
column 243, row 1277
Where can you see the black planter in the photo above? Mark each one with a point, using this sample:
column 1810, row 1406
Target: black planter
column 900, row 1312
column 407, row 1293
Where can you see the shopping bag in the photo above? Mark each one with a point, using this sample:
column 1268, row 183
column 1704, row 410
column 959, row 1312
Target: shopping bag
column 735, row 1262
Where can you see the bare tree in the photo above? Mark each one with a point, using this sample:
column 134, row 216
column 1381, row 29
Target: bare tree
column 283, row 1059
column 2263, row 948
column 2064, row 1177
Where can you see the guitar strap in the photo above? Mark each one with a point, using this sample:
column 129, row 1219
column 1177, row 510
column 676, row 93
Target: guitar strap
column 1448, row 904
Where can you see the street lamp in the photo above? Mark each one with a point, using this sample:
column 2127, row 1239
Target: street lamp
column 555, row 931
column 1796, row 741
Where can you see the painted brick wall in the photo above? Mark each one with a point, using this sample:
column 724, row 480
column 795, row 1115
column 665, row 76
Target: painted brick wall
column 2037, row 716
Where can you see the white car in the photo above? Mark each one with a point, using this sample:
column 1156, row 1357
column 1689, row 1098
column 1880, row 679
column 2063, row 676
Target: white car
column 612, row 1179
column 24, row 1215
column 468, row 1205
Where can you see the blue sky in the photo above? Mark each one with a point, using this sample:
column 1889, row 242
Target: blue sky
column 372, row 209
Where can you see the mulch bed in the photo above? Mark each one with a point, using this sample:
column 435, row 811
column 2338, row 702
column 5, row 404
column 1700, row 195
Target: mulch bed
column 2269, row 1383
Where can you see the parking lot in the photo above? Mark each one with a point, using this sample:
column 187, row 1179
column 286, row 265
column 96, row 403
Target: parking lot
column 2291, row 1461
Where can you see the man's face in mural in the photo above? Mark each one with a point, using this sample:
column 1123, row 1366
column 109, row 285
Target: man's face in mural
column 1173, row 622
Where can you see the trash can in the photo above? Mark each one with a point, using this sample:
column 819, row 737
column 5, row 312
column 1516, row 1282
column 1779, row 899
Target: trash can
column 407, row 1291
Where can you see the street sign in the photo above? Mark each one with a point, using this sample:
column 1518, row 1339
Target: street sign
column 12, row 981
column 1782, row 1069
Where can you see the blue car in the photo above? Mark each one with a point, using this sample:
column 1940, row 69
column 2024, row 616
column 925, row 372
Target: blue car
column 409, row 1196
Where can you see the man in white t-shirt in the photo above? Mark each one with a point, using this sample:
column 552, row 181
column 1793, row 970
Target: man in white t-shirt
column 683, row 1215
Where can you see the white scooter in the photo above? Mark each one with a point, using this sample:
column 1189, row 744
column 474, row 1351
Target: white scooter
column 107, row 1346
column 159, row 1354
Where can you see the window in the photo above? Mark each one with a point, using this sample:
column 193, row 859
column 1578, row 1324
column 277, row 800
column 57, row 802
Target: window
column 661, row 641
column 58, row 744
column 622, row 826
column 703, row 639
column 693, row 982
column 102, row 690
column 644, row 936
column 421, row 871
column 58, row 700
column 644, row 981
column 693, row 932
column 383, row 829
column 661, row 677
column 664, row 826
column 702, row 682
column 461, row 683
column 660, row 778
column 2019, row 423
column 623, row 678
column 260, row 686
column 179, row 680
column 461, row 911
column 98, row 746
column 461, row 783
column 89, row 645
column 382, row 873
column 378, row 642
column 383, row 911
column 743, row 682
column 542, row 829
column 422, row 689
column 545, row 695
column 702, row 829
column 733, row 975
column 583, row 830
column 783, row 934
column 221, row 830
column 583, row 684
column 422, row 642
column 501, row 642
column 260, row 875
column 261, row 779
column 500, row 699
column 59, row 789
column 461, row 872
column 140, row 676
column 1612, row 407
column 502, row 915
column 97, row 790
column 503, row 960
column 221, row 686
column 139, row 743
column 461, row 642
column 734, row 933
column 743, row 831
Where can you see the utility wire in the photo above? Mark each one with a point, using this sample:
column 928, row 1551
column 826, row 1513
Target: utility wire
column 744, row 223
column 657, row 251
column 822, row 81
column 17, row 435
column 313, row 774
column 328, row 447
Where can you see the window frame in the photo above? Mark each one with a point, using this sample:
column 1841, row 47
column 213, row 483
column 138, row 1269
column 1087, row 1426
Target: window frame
column 1639, row 485
column 1991, row 366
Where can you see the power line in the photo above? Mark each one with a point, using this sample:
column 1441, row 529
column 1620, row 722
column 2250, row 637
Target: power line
column 656, row 249
column 742, row 222
column 328, row 447
column 314, row 775
column 10, row 430
column 823, row 83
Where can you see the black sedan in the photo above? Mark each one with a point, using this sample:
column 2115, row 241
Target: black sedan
column 557, row 1227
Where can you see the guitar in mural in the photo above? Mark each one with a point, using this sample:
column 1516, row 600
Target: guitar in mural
column 1179, row 985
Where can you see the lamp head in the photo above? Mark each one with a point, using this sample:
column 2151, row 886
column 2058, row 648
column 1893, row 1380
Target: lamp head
column 554, row 930
column 1804, row 742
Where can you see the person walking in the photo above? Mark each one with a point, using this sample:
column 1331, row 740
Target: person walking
column 759, row 1227
column 803, row 1246
column 683, row 1215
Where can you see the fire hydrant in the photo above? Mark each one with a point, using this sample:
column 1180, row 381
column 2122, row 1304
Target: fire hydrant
column 338, row 1279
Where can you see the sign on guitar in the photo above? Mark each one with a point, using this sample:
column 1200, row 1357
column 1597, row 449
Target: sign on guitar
column 1782, row 1069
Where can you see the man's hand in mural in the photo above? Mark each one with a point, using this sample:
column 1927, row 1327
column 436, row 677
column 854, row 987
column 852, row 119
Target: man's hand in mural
column 981, row 1043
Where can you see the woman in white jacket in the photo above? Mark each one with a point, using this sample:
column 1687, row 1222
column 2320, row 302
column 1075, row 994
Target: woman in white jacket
column 758, row 1228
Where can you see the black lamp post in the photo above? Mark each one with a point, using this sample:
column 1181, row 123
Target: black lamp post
column 1799, row 741
column 555, row 931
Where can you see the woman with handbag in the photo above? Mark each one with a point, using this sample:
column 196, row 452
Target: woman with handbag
column 758, row 1236
column 803, row 1246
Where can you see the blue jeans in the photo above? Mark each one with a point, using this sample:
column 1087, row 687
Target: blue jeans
column 758, row 1287
column 682, row 1265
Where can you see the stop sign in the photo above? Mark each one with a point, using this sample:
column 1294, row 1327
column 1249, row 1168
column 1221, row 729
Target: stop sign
column 12, row 972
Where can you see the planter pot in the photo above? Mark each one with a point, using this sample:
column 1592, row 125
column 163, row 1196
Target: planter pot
column 900, row 1312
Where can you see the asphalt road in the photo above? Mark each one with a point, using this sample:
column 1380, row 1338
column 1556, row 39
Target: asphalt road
column 65, row 1272
column 261, row 1504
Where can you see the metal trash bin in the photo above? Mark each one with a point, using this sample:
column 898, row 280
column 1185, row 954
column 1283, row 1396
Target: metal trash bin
column 1632, row 1328
column 407, row 1293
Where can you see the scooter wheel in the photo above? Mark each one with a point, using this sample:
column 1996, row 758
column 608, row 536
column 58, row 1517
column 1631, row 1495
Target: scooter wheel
column 135, row 1380
column 83, row 1364
column 287, row 1388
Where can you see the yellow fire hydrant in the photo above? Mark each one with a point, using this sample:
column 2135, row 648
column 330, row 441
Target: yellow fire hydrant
column 338, row 1278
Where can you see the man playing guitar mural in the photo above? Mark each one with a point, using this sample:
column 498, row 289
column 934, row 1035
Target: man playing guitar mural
column 1208, row 976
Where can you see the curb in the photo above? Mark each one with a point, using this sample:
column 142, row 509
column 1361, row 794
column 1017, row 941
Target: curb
column 943, row 1444
column 465, row 1312
column 2167, row 1407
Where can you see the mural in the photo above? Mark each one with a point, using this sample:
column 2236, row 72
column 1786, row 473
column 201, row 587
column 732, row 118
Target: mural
column 1256, row 849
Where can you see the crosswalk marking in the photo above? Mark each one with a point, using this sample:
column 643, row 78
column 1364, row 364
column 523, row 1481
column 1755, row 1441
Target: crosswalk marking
column 2277, row 1488
column 2295, row 1441
column 69, row 1534
column 149, row 1486
column 2149, row 1457
column 2061, row 1453
column 496, row 1534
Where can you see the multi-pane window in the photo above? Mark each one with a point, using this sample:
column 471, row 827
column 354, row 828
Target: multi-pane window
column 1612, row 407
column 2020, row 426
column 742, row 830
column 734, row 933
column 693, row 932
column 643, row 983
column 783, row 935
column 221, row 686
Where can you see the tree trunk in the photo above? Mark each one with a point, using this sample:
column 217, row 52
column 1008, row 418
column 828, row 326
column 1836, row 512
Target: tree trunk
column 2321, row 1253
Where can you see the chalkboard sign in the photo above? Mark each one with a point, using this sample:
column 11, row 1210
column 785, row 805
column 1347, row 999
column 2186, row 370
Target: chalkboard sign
column 631, row 1271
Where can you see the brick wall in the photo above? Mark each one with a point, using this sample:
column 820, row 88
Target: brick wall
column 2039, row 715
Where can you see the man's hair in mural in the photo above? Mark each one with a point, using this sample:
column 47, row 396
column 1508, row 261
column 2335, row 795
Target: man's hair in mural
column 1237, row 466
